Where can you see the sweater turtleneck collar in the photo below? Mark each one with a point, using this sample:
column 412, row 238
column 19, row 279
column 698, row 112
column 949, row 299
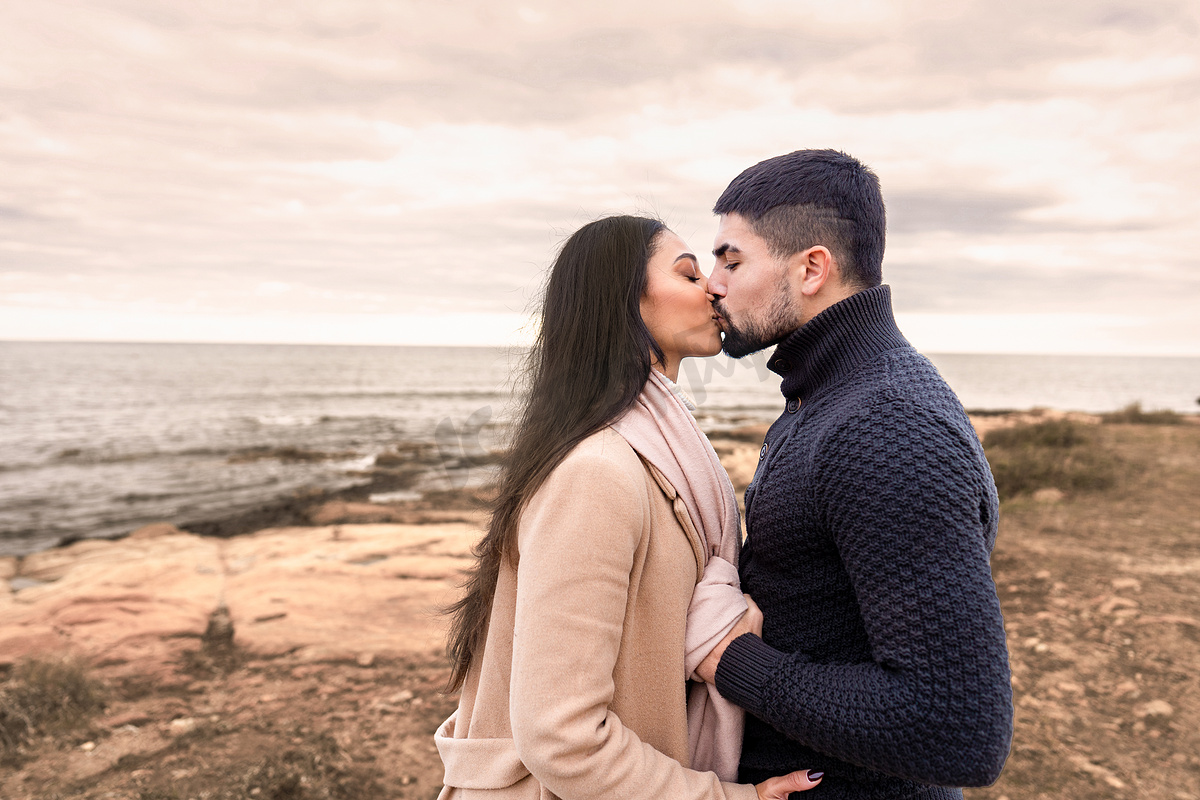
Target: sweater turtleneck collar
column 830, row 345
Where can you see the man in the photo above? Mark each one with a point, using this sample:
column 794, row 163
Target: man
column 871, row 516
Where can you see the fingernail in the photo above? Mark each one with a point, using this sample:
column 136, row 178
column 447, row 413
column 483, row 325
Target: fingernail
column 815, row 776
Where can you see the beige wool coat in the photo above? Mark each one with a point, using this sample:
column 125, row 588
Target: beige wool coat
column 580, row 691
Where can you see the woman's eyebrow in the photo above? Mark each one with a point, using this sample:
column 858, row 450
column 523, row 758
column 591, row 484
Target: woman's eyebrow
column 687, row 255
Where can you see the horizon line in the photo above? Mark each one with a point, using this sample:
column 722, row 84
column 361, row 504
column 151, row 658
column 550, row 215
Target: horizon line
column 517, row 346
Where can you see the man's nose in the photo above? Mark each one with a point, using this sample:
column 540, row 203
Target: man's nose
column 716, row 283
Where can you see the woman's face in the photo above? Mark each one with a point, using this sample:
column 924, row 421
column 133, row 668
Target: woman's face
column 677, row 307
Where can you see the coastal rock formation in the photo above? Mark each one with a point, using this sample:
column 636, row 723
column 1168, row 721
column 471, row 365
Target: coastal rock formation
column 137, row 605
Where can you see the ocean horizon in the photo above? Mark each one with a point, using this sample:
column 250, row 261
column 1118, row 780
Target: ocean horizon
column 98, row 438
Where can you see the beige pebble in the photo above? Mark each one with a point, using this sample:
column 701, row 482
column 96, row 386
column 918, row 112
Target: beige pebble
column 1155, row 709
column 178, row 727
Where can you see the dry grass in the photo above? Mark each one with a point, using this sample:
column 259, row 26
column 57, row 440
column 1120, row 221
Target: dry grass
column 44, row 696
column 1056, row 454
column 1132, row 414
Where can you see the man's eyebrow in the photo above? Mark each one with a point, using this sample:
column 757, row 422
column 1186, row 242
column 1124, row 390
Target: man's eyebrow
column 725, row 248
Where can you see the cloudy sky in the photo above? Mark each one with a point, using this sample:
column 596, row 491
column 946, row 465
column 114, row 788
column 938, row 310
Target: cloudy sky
column 401, row 171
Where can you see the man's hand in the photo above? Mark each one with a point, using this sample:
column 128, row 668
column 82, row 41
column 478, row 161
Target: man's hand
column 751, row 622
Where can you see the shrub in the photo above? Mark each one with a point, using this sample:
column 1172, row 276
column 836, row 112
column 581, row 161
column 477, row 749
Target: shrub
column 1058, row 454
column 43, row 694
column 1132, row 414
column 1053, row 433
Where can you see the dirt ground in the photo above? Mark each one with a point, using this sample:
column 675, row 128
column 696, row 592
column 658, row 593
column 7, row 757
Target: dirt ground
column 1101, row 598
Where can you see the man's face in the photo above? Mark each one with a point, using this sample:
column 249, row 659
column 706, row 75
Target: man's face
column 752, row 288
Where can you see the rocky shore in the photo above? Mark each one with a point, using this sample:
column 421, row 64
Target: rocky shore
column 305, row 661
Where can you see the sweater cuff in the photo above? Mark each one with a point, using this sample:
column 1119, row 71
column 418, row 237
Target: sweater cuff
column 744, row 669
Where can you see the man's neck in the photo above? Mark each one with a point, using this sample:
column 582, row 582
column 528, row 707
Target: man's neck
column 828, row 296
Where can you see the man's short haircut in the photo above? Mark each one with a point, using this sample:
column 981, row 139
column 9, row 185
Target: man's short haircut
column 815, row 197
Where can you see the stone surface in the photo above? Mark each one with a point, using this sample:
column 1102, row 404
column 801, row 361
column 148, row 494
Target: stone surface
column 138, row 604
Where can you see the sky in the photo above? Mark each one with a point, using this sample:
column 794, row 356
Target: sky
column 402, row 171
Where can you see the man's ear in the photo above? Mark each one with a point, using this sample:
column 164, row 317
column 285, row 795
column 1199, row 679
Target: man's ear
column 812, row 268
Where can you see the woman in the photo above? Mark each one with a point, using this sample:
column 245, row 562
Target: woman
column 573, row 642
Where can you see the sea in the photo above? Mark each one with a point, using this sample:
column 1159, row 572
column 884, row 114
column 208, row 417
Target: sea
column 97, row 439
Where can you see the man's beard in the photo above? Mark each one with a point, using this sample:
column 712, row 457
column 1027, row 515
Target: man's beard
column 753, row 335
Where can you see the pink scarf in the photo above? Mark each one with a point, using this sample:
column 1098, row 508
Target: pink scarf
column 661, row 428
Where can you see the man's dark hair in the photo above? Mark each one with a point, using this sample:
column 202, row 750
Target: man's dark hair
column 815, row 197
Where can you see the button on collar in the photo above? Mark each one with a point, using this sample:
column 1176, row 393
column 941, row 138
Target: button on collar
column 793, row 405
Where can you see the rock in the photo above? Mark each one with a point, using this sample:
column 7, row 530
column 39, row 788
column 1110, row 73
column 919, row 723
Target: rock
column 179, row 727
column 343, row 597
column 1083, row 764
column 1154, row 710
column 134, row 718
column 1112, row 604
column 1127, row 583
column 8, row 567
column 133, row 605
column 336, row 511
column 155, row 530
column 365, row 659
column 1048, row 495
column 137, row 605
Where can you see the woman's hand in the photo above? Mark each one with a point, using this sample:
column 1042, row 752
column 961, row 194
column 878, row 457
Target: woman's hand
column 779, row 788
column 753, row 619
column 751, row 622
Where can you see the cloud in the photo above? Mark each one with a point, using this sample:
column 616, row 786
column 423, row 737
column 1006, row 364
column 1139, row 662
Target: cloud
column 422, row 157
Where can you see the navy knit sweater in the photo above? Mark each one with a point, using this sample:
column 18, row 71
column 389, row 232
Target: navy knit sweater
column 871, row 519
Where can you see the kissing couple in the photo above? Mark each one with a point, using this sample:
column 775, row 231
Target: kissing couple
column 616, row 637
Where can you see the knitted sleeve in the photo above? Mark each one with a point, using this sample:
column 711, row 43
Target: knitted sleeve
column 907, row 500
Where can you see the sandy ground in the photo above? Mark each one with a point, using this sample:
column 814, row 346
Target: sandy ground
column 1100, row 592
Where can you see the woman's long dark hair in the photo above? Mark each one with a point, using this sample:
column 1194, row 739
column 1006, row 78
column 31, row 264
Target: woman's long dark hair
column 591, row 358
